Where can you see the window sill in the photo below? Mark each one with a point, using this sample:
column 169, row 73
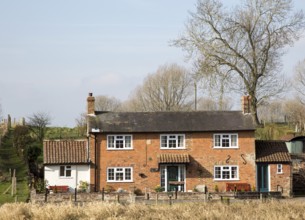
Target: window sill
column 115, row 149
column 112, row 181
column 64, row 177
column 162, row 148
column 223, row 180
column 225, row 148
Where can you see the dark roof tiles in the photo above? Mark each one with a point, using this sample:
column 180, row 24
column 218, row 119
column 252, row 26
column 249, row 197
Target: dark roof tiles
column 271, row 151
column 65, row 152
column 171, row 121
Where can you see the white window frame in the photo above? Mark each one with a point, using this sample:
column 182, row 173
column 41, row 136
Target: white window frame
column 173, row 137
column 222, row 138
column 66, row 168
column 226, row 168
column 279, row 168
column 116, row 139
column 119, row 170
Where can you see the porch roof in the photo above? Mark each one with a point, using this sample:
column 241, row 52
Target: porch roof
column 173, row 158
column 271, row 151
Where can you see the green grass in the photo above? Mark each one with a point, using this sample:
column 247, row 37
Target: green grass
column 10, row 159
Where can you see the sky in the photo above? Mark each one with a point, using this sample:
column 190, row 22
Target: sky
column 53, row 53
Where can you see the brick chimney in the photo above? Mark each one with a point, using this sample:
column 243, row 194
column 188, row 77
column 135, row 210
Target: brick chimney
column 246, row 104
column 91, row 104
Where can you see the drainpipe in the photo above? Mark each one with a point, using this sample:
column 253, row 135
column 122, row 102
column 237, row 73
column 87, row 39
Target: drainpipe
column 95, row 158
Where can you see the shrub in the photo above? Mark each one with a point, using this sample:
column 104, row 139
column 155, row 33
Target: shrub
column 83, row 186
column 158, row 188
column 109, row 189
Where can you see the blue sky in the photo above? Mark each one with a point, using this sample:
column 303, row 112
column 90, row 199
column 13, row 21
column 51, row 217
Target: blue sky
column 52, row 53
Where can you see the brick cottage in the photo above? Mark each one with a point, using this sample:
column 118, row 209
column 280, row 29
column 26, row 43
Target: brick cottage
column 187, row 150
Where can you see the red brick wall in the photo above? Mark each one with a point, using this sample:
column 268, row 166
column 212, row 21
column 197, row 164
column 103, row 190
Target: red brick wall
column 281, row 181
column 199, row 146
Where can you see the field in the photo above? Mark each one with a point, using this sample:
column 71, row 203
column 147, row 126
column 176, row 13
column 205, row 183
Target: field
column 10, row 159
column 284, row 209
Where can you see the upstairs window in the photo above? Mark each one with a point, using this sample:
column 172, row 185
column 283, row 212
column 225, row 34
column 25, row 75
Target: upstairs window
column 225, row 141
column 65, row 171
column 172, row 141
column 119, row 142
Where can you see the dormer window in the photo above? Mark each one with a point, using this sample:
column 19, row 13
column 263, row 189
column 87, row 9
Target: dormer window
column 225, row 141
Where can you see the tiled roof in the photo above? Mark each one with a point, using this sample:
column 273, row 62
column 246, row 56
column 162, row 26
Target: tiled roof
column 173, row 158
column 271, row 151
column 195, row 121
column 65, row 152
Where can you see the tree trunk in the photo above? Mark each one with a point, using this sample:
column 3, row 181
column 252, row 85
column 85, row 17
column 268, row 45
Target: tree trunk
column 253, row 104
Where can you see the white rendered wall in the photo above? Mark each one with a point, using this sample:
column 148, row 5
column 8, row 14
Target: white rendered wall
column 78, row 173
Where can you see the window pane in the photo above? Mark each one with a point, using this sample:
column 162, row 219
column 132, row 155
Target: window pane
column 68, row 172
column 128, row 141
column 62, row 171
column 225, row 142
column 217, row 140
column 162, row 176
column 181, row 173
column 234, row 172
column 110, row 174
column 180, row 141
column 233, row 140
column 127, row 174
column 119, row 176
column 110, row 141
column 163, row 141
column 217, row 174
column 226, row 174
column 119, row 144
column 172, row 143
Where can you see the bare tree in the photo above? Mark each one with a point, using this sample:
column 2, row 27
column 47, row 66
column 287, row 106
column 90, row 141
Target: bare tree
column 247, row 42
column 210, row 104
column 106, row 103
column 38, row 122
column 81, row 124
column 295, row 114
column 299, row 80
column 272, row 111
column 169, row 89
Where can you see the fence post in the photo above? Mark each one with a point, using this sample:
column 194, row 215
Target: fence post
column 103, row 194
column 46, row 195
column 75, row 195
column 118, row 197
column 176, row 192
column 261, row 197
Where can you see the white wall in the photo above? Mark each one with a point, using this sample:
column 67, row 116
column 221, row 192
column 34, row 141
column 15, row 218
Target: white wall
column 78, row 173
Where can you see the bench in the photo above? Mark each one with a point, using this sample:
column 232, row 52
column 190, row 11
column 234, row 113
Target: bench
column 59, row 188
column 238, row 187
